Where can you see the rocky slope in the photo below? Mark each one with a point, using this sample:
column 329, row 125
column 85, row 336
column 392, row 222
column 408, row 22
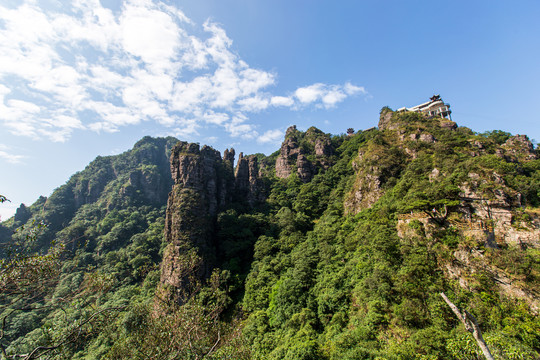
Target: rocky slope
column 334, row 247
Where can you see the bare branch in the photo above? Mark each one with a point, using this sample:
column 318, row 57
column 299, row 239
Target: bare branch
column 471, row 325
column 216, row 343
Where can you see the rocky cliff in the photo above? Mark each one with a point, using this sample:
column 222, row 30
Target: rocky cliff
column 204, row 184
column 304, row 153
column 467, row 185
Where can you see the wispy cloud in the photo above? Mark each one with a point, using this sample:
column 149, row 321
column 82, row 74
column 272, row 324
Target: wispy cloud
column 326, row 95
column 271, row 136
column 86, row 67
column 7, row 155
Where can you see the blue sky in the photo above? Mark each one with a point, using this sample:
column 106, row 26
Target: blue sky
column 85, row 78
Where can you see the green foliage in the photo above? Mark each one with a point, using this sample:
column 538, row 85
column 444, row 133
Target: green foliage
column 498, row 136
column 294, row 278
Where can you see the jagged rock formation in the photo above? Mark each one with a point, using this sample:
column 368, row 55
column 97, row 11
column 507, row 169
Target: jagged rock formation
column 288, row 154
column 519, row 148
column 385, row 120
column 199, row 189
column 248, row 183
column 22, row 214
column 358, row 241
column 204, row 184
column 304, row 153
column 374, row 166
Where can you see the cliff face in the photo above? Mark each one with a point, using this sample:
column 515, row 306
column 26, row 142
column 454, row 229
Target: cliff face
column 474, row 183
column 375, row 165
column 204, row 184
column 247, row 181
column 197, row 192
column 304, row 153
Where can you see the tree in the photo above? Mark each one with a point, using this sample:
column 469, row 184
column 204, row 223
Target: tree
column 27, row 279
column 471, row 325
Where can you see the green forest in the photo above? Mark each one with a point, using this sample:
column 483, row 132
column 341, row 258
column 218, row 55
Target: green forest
column 333, row 247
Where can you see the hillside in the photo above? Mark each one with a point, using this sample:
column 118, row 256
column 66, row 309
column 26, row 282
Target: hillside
column 334, row 247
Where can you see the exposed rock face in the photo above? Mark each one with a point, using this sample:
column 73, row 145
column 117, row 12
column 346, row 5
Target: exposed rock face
column 367, row 191
column 373, row 167
column 305, row 169
column 323, row 147
column 195, row 197
column 494, row 213
column 427, row 138
column 287, row 154
column 434, row 175
column 228, row 156
column 466, row 262
column 489, row 214
column 385, row 121
column 294, row 156
column 367, row 186
column 283, row 169
column 204, row 183
column 519, row 147
column 447, row 124
column 153, row 185
column 198, row 170
column 89, row 190
column 496, row 203
column 470, row 262
column 248, row 184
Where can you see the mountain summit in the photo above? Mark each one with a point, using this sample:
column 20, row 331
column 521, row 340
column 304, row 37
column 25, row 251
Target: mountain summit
column 333, row 247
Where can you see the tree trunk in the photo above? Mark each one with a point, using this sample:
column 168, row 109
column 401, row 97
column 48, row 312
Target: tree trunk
column 471, row 325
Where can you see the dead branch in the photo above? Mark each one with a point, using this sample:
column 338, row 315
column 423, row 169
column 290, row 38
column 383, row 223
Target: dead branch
column 471, row 325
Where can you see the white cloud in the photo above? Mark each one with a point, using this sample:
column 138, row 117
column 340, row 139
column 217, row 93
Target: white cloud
column 237, row 128
column 150, row 34
column 351, row 89
column 310, row 93
column 254, row 104
column 215, row 118
column 326, row 96
column 281, row 101
column 188, row 97
column 271, row 136
column 333, row 96
column 6, row 155
column 85, row 67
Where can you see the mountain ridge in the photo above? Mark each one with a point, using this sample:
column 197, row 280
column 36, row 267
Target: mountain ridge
column 332, row 247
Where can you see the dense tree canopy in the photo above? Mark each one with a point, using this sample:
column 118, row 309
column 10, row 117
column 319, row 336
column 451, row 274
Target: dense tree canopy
column 314, row 272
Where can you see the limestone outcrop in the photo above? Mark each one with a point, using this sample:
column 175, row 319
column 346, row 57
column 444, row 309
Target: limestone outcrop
column 519, row 148
column 196, row 194
column 247, row 180
column 204, row 184
column 288, row 154
column 373, row 167
column 304, row 153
